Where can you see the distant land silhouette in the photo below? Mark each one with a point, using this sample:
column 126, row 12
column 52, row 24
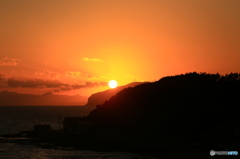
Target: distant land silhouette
column 101, row 97
column 13, row 98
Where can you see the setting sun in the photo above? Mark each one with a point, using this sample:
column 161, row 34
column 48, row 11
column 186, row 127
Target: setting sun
column 112, row 84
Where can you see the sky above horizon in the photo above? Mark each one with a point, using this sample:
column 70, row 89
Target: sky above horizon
column 77, row 46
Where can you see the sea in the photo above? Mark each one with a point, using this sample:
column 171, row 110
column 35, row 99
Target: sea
column 14, row 119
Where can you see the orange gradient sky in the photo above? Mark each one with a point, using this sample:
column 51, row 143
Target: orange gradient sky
column 76, row 46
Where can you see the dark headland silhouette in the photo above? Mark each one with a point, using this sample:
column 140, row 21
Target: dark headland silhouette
column 101, row 97
column 182, row 116
column 192, row 109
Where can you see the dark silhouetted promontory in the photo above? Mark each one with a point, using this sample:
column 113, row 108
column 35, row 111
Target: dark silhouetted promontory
column 101, row 97
column 191, row 108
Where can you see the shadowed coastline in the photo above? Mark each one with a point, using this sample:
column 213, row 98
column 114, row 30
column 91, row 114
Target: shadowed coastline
column 183, row 115
column 196, row 109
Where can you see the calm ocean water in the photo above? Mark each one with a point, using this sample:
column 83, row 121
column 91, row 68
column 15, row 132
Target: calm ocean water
column 14, row 119
column 27, row 151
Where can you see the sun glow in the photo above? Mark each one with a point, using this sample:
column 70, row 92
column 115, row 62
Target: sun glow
column 112, row 84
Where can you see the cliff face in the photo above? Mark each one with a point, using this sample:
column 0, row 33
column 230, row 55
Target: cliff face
column 101, row 97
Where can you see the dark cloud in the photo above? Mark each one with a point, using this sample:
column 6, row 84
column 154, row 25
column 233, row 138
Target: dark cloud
column 1, row 76
column 92, row 76
column 48, row 73
column 32, row 83
column 40, row 83
column 72, row 74
column 89, row 84
column 103, row 83
column 51, row 74
column 66, row 88
column 77, row 86
column 3, row 80
column 86, row 85
column 56, row 90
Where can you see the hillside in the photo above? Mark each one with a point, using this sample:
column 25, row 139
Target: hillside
column 101, row 97
column 181, row 108
column 13, row 98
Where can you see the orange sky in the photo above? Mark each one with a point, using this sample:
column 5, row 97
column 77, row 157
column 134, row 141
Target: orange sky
column 76, row 46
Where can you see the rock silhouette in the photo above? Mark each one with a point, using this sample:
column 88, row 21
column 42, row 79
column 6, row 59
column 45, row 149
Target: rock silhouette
column 101, row 97
column 183, row 109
